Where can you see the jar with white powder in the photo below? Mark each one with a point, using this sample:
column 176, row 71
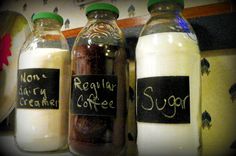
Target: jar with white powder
column 168, row 83
column 43, row 87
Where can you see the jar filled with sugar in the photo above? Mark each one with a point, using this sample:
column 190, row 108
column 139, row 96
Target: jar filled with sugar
column 168, row 83
column 43, row 87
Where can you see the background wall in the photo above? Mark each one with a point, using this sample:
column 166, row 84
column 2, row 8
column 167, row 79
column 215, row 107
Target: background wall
column 73, row 10
column 219, row 100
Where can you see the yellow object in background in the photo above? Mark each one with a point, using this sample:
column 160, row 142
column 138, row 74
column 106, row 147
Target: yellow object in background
column 219, row 100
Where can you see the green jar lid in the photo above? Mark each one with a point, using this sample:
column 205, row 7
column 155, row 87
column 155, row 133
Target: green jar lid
column 102, row 6
column 152, row 2
column 50, row 15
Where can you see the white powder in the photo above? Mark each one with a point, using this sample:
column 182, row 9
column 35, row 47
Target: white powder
column 45, row 129
column 170, row 54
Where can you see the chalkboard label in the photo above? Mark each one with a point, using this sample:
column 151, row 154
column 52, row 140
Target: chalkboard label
column 163, row 99
column 38, row 88
column 94, row 95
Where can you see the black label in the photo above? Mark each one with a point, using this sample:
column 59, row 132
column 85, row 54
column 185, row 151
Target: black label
column 94, row 95
column 163, row 99
column 38, row 88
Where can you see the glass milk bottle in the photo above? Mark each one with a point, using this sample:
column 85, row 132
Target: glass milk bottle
column 168, row 83
column 43, row 87
column 98, row 104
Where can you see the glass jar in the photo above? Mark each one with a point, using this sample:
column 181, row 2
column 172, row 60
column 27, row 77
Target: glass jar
column 168, row 83
column 43, row 87
column 98, row 104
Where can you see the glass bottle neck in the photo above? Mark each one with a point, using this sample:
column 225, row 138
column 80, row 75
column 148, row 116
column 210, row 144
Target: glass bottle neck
column 47, row 25
column 165, row 8
column 102, row 15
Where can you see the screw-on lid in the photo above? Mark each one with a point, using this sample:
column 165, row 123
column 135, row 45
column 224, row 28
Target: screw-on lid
column 102, row 6
column 152, row 2
column 50, row 15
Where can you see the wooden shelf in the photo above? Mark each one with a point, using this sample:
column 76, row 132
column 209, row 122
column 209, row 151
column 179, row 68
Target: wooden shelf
column 194, row 12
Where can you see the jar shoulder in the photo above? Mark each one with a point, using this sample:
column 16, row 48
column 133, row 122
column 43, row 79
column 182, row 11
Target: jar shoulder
column 45, row 40
column 101, row 32
column 166, row 23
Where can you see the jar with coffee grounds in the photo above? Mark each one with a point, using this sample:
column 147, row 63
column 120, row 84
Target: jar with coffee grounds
column 98, row 98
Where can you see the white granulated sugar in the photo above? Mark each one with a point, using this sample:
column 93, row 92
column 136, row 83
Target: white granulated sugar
column 170, row 54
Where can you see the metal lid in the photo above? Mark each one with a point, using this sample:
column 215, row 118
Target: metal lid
column 102, row 6
column 48, row 15
column 152, row 2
